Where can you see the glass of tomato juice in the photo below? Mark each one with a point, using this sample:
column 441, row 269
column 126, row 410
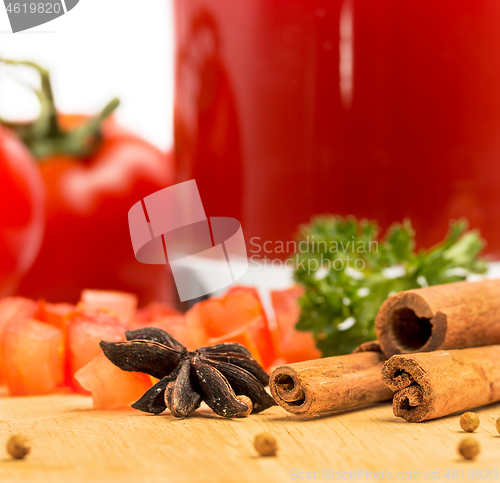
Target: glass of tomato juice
column 384, row 109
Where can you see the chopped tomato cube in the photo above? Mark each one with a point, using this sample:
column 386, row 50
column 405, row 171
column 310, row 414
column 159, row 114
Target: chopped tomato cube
column 293, row 345
column 54, row 314
column 33, row 355
column 234, row 317
column 224, row 315
column 85, row 331
column 10, row 309
column 122, row 303
column 111, row 387
column 261, row 331
column 58, row 315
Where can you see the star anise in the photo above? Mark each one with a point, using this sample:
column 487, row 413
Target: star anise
column 214, row 374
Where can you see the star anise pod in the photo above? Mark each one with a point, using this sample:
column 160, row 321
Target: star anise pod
column 214, row 374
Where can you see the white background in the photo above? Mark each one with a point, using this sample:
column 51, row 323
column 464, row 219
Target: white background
column 99, row 50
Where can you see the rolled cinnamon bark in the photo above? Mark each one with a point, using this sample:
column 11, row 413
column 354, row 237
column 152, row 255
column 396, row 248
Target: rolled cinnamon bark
column 430, row 385
column 332, row 383
column 450, row 316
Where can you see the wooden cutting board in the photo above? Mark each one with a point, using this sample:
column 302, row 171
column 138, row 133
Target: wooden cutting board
column 74, row 443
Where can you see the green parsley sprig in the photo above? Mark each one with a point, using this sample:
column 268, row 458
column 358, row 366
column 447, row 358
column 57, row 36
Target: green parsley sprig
column 347, row 273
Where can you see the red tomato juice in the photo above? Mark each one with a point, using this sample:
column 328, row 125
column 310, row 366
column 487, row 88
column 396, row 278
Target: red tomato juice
column 382, row 109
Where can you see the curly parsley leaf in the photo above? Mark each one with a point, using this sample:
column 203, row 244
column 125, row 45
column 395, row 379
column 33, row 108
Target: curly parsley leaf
column 347, row 273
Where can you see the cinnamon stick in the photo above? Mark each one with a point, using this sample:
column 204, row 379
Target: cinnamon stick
column 451, row 316
column 332, row 383
column 434, row 384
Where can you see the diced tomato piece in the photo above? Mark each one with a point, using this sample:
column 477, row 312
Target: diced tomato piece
column 155, row 311
column 252, row 290
column 260, row 334
column 111, row 388
column 286, row 307
column 261, row 331
column 236, row 289
column 122, row 303
column 10, row 309
column 195, row 326
column 293, row 345
column 85, row 331
column 103, row 317
column 54, row 314
column 59, row 316
column 33, row 352
column 299, row 346
column 234, row 317
column 243, row 337
column 229, row 313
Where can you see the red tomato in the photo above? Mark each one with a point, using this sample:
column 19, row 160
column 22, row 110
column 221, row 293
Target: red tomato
column 87, row 226
column 94, row 171
column 293, row 345
column 21, row 211
column 33, row 352
column 111, row 387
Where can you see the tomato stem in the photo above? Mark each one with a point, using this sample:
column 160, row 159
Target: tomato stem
column 48, row 103
column 44, row 136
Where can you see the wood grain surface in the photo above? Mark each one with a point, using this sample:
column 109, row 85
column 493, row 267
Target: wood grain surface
column 74, row 443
